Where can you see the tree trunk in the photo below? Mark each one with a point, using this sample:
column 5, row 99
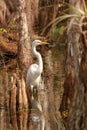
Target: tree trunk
column 83, row 78
column 24, row 47
column 77, row 120
column 74, row 37
column 49, row 87
column 75, row 97
column 32, row 16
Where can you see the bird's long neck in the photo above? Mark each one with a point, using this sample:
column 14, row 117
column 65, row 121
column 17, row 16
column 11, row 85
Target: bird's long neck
column 38, row 55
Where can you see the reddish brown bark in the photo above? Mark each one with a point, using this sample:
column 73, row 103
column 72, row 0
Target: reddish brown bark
column 24, row 47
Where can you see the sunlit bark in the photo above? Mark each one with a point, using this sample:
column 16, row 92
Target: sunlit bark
column 13, row 102
column 24, row 49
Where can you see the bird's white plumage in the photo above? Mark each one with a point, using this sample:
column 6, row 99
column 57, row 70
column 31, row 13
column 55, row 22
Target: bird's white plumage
column 33, row 75
column 35, row 70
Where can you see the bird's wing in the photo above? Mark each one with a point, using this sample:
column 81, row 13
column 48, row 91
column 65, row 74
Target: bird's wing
column 32, row 73
column 33, row 68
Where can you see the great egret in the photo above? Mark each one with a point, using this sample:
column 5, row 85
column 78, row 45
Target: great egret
column 34, row 72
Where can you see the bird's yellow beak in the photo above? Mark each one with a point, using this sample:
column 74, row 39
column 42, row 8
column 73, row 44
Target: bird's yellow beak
column 44, row 43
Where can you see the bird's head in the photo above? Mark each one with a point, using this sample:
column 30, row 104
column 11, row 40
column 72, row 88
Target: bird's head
column 38, row 42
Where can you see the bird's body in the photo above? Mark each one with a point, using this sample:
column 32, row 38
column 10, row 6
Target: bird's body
column 35, row 70
column 35, row 75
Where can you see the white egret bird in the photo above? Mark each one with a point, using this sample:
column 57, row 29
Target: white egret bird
column 35, row 70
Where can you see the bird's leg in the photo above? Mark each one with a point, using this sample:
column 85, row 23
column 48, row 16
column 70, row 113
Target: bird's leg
column 32, row 96
column 33, row 92
column 35, row 89
column 32, row 88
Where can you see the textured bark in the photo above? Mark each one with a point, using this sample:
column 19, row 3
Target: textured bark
column 83, row 77
column 13, row 94
column 72, row 59
column 74, row 37
column 71, row 63
column 24, row 94
column 49, row 87
column 13, row 103
column 23, row 120
column 32, row 16
column 24, row 47
column 77, row 110
column 55, row 119
column 20, row 101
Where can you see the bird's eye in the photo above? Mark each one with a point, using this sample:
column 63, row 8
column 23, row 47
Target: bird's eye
column 39, row 42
